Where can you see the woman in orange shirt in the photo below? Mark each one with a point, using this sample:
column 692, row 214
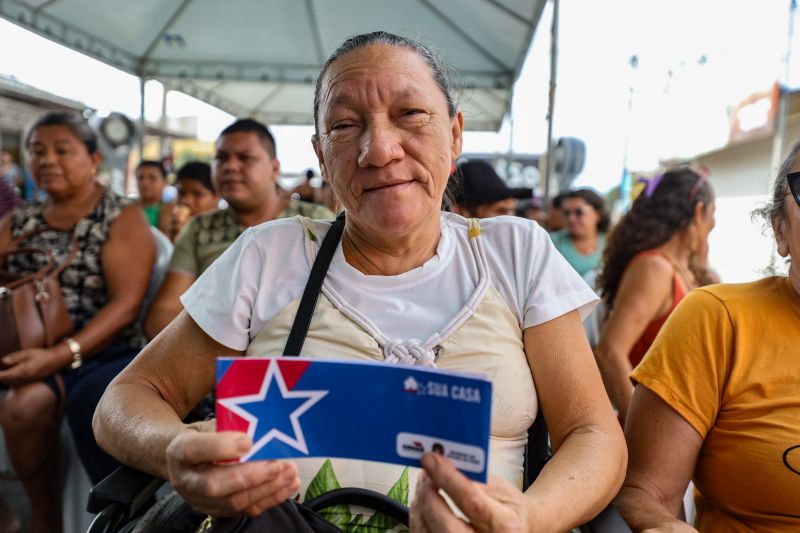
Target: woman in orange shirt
column 653, row 258
column 717, row 399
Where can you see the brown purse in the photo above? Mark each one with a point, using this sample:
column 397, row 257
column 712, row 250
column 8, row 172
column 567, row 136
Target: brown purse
column 32, row 309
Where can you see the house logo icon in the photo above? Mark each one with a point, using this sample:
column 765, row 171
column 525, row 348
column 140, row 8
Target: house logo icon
column 411, row 385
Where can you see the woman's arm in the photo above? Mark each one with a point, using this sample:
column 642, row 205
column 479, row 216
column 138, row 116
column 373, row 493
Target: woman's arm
column 590, row 455
column 127, row 258
column 644, row 294
column 575, row 485
column 138, row 421
column 663, row 449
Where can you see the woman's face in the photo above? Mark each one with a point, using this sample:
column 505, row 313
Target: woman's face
column 386, row 142
column 195, row 196
column 580, row 217
column 151, row 183
column 59, row 161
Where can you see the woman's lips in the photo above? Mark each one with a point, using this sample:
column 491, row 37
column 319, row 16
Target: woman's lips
column 389, row 188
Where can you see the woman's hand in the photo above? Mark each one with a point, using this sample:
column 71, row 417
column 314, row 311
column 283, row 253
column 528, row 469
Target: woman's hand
column 32, row 364
column 497, row 506
column 226, row 489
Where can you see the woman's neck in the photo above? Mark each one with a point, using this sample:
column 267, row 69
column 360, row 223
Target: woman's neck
column 678, row 251
column 371, row 255
column 65, row 211
column 585, row 244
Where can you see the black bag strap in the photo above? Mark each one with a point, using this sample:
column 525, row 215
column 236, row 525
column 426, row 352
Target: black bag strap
column 308, row 302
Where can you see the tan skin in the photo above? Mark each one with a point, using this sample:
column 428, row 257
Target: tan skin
column 385, row 144
column 193, row 199
column 62, row 166
column 645, row 293
column 246, row 176
column 651, row 497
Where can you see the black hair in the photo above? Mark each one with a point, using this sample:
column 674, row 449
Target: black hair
column 155, row 164
column 439, row 70
column 593, row 199
column 652, row 220
column 74, row 122
column 249, row 125
column 196, row 171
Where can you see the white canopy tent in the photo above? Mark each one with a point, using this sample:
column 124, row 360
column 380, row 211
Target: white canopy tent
column 260, row 58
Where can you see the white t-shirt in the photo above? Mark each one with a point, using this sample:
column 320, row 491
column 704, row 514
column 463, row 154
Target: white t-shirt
column 267, row 268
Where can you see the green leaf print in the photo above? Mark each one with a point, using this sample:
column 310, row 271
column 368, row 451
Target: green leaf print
column 311, row 235
column 325, row 481
column 379, row 522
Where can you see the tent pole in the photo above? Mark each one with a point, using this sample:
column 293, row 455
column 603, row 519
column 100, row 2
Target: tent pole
column 551, row 162
column 141, row 118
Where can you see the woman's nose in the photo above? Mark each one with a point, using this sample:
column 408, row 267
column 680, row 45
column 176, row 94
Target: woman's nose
column 380, row 145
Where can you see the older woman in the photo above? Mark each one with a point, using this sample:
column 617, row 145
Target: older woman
column 388, row 131
column 718, row 399
column 582, row 241
column 103, row 288
column 649, row 265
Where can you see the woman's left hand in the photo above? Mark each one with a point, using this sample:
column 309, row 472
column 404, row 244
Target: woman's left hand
column 497, row 506
column 25, row 366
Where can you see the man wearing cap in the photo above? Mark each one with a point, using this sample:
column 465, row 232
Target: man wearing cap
column 484, row 194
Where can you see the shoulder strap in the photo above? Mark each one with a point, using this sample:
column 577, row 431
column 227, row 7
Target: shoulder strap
column 297, row 335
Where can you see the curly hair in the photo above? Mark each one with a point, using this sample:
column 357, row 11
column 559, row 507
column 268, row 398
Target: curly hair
column 655, row 216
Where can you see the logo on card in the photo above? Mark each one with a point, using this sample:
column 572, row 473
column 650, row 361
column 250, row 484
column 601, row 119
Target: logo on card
column 411, row 385
column 463, row 456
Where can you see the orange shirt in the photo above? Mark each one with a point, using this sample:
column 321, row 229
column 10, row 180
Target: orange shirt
column 728, row 361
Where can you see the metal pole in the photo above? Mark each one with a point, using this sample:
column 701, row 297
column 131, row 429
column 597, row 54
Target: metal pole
column 550, row 168
column 141, row 117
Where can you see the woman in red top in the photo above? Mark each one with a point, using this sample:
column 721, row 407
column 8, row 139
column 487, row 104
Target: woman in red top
column 655, row 255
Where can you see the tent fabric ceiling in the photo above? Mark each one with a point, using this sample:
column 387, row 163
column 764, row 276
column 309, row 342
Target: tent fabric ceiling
column 261, row 57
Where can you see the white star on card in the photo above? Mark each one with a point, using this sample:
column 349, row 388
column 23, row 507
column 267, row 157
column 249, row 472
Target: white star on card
column 274, row 375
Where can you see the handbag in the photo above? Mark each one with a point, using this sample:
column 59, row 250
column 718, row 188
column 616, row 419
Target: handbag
column 32, row 309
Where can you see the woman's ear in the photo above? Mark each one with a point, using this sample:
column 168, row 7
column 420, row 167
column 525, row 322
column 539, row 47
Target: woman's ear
column 779, row 229
column 323, row 171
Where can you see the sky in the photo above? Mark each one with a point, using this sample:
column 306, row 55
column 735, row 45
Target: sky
column 696, row 59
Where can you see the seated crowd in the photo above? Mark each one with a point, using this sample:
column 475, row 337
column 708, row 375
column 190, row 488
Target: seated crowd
column 703, row 377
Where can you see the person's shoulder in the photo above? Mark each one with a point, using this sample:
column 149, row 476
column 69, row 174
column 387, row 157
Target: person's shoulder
column 651, row 263
column 307, row 209
column 744, row 295
column 498, row 227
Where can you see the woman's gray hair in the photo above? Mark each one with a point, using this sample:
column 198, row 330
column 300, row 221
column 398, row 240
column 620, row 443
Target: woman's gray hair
column 775, row 207
column 438, row 68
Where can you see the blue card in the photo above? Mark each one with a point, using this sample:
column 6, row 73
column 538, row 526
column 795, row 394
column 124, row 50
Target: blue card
column 306, row 407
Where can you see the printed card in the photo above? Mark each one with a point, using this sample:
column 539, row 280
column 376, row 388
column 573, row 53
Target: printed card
column 306, row 407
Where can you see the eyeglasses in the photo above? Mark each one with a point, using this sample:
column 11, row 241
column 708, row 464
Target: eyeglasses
column 578, row 212
column 794, row 185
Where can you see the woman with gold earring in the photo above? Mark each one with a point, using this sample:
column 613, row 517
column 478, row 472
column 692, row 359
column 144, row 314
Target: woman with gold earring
column 655, row 255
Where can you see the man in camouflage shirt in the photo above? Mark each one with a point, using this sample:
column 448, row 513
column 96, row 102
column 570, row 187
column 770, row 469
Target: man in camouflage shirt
column 246, row 171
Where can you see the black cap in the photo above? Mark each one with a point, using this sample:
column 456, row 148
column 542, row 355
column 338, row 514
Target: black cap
column 481, row 185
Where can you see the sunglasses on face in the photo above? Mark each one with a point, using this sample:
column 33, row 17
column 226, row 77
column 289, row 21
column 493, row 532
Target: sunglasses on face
column 577, row 212
column 794, row 185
